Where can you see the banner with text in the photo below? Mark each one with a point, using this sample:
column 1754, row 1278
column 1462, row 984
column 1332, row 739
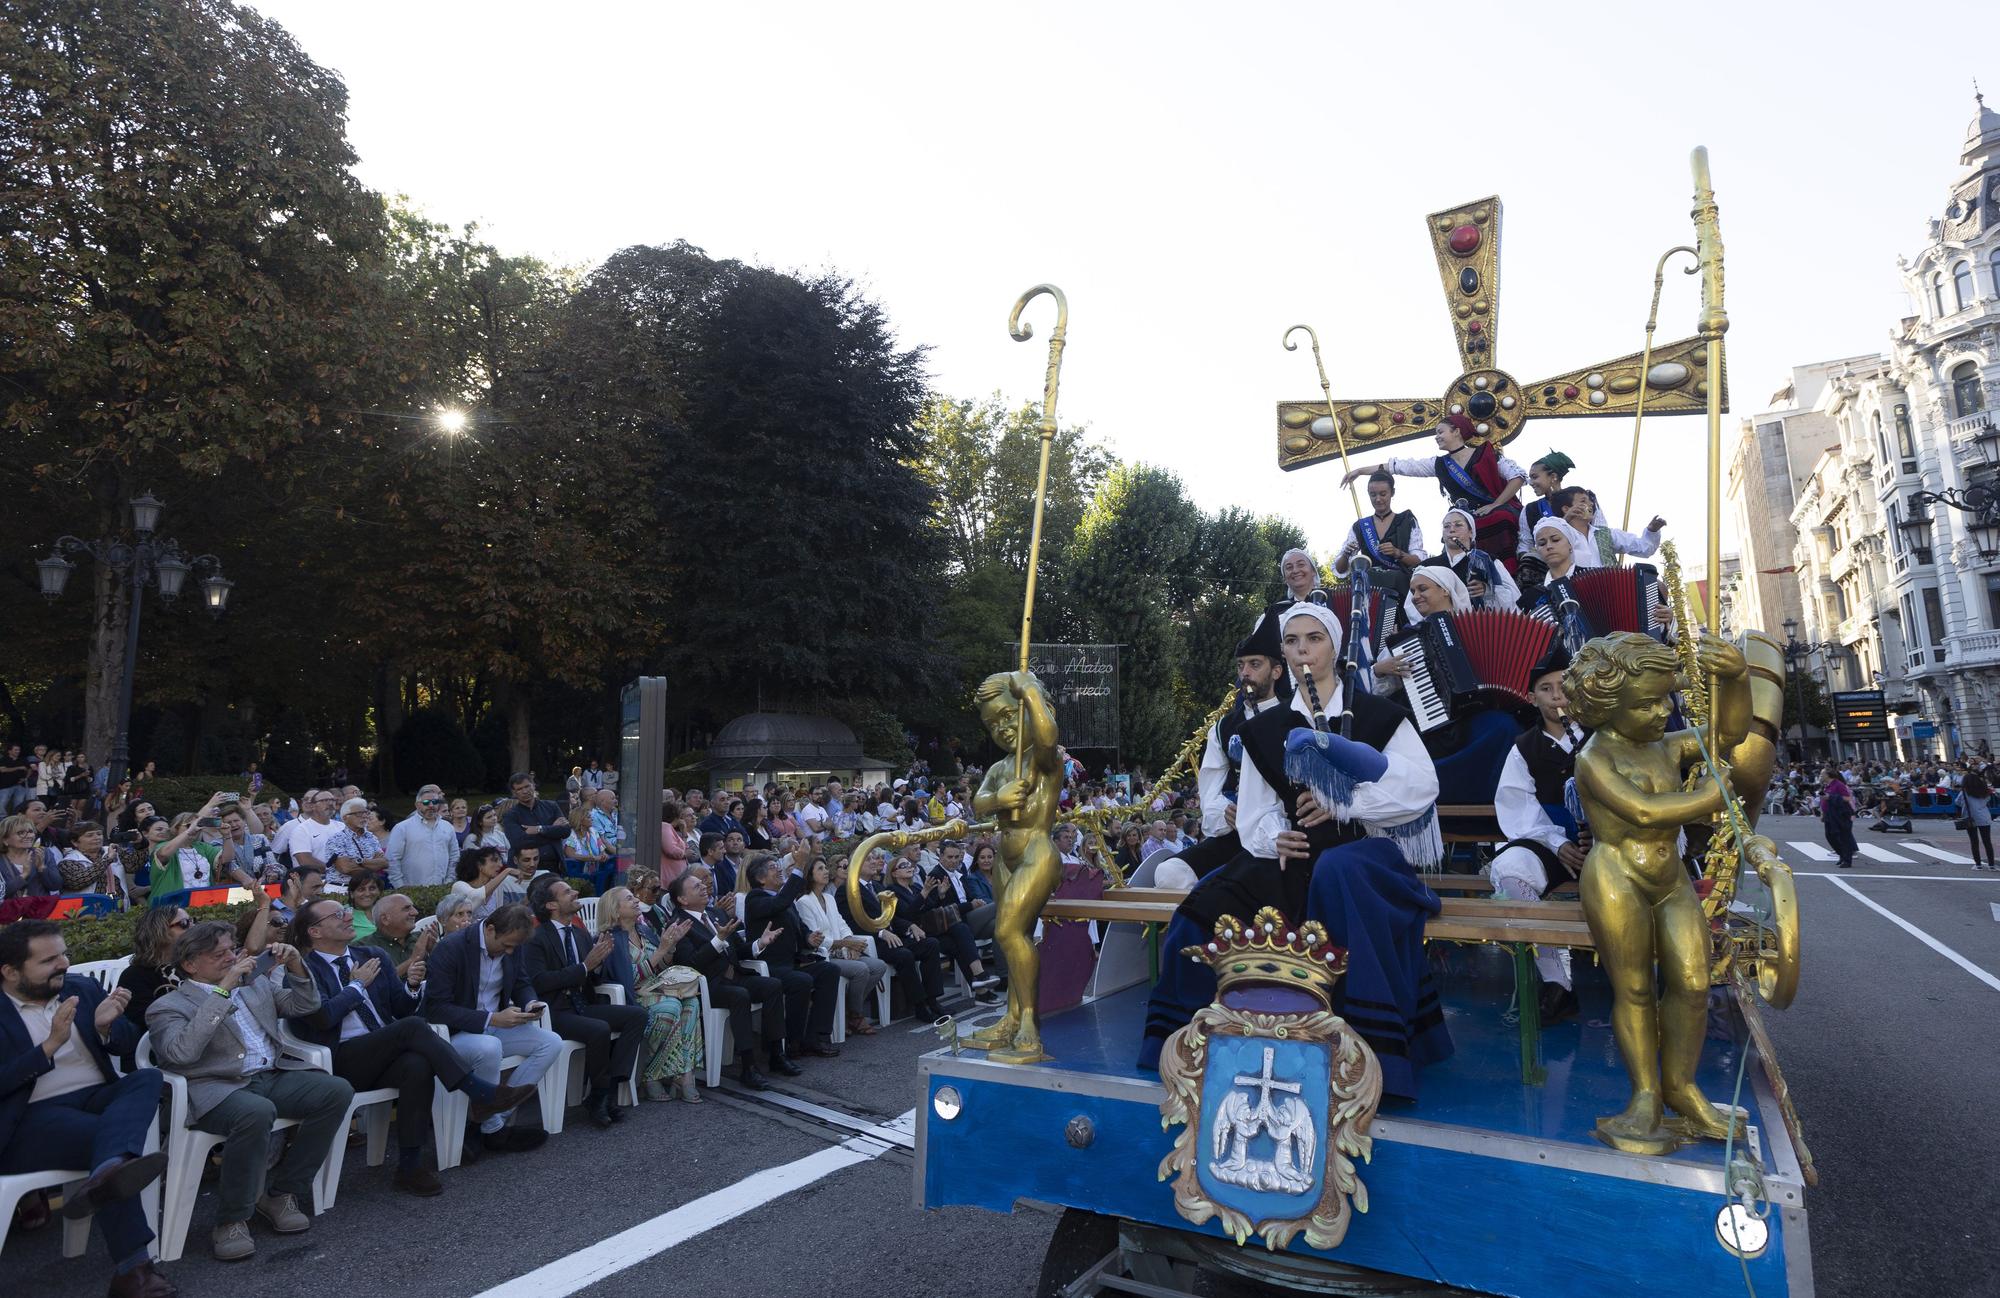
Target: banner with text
column 1082, row 681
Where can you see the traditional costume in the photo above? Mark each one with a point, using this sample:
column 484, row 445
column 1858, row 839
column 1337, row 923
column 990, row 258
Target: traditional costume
column 1605, row 544
column 1531, row 803
column 1469, row 748
column 1360, row 881
column 1549, row 599
column 1365, row 539
column 1501, row 589
column 1222, row 763
column 1475, row 484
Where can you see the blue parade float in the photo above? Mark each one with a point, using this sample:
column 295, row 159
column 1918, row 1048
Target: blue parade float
column 1487, row 1183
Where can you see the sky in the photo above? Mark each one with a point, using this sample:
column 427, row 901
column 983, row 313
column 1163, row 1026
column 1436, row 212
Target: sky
column 1197, row 178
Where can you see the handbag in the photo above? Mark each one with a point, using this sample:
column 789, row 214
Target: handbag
column 676, row 980
column 1963, row 822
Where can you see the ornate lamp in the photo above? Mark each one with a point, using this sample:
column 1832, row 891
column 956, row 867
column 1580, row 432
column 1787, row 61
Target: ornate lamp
column 172, row 571
column 146, row 514
column 1917, row 531
column 215, row 592
column 1988, row 443
column 55, row 572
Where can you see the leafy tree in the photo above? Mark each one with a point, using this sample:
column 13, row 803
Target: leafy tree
column 1130, row 554
column 777, row 415
column 434, row 749
column 983, row 459
column 186, row 267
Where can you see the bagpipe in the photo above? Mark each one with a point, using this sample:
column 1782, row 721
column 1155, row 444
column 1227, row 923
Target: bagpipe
column 1453, row 659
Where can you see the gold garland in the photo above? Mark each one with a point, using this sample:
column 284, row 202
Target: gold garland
column 1094, row 820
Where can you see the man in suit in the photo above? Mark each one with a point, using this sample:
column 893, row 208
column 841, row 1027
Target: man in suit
column 901, row 945
column 713, row 949
column 219, row 1029
column 810, row 989
column 368, row 1018
column 564, row 964
column 477, row 986
column 62, row 1103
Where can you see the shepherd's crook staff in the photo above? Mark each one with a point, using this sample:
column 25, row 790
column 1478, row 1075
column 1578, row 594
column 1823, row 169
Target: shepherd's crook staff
column 1022, row 333
column 1339, row 438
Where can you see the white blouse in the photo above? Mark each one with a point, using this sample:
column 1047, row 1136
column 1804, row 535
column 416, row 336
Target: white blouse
column 824, row 918
column 1408, row 788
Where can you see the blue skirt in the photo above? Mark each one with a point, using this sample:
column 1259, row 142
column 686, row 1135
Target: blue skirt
column 1372, row 903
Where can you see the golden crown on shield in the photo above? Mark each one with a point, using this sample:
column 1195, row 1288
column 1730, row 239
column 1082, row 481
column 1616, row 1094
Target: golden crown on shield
column 1273, row 950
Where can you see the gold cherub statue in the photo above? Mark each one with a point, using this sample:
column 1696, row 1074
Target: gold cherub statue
column 1637, row 896
column 1021, row 791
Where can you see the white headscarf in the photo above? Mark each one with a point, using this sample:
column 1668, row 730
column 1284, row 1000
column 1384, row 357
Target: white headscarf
column 1446, row 580
column 1471, row 527
column 1319, row 612
column 1582, row 553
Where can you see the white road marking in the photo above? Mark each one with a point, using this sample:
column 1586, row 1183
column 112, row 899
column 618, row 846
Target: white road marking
column 896, row 1131
column 1875, row 853
column 1996, row 910
column 1916, row 932
column 1900, row 878
column 628, row 1248
column 1813, row 851
column 1953, row 857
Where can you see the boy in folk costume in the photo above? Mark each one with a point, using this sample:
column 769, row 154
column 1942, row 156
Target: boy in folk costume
column 1472, row 473
column 1578, row 507
column 1546, row 476
column 1388, row 541
column 1330, row 828
column 1545, row 844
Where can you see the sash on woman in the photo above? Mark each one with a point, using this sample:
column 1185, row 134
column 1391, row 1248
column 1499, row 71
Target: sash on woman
column 1498, row 531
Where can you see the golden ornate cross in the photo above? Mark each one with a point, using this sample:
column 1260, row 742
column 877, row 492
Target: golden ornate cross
column 1466, row 241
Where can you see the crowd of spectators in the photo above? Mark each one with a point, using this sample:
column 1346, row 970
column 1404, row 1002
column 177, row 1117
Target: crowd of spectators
column 543, row 934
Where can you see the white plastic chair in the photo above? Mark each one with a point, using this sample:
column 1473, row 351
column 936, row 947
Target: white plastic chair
column 628, row 1086
column 587, row 912
column 104, row 972
column 450, row 1110
column 372, row 1106
column 76, row 1233
column 187, row 1155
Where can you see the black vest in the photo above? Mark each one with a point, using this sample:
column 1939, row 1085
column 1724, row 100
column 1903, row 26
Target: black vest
column 1375, row 722
column 1548, row 765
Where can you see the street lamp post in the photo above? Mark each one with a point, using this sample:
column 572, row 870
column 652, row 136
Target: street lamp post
column 1982, row 502
column 147, row 558
column 1796, row 654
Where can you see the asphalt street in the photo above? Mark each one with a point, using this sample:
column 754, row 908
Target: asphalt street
column 1888, row 1051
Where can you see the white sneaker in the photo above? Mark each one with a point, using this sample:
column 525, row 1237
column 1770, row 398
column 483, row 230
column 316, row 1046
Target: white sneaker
column 281, row 1213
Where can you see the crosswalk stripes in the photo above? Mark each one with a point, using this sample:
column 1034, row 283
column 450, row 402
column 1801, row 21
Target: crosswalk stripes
column 1950, row 858
column 1813, row 851
column 1874, row 853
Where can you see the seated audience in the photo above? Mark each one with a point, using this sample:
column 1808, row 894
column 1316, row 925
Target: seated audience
column 848, row 952
column 711, row 947
column 367, row 1016
column 64, row 1105
column 564, row 969
column 901, row 944
column 934, row 907
column 476, row 985
column 642, row 962
column 219, row 1029
column 812, row 986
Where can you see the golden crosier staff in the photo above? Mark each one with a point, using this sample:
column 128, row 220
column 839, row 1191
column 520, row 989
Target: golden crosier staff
column 895, row 840
column 1326, row 388
column 1714, row 324
column 1022, row 333
column 1646, row 369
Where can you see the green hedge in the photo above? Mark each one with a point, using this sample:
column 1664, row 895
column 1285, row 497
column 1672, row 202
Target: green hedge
column 173, row 794
column 107, row 937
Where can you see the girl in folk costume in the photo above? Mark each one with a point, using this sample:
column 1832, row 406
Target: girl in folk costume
column 1578, row 507
column 1488, row 583
column 1546, row 477
column 1432, row 590
column 1388, row 541
column 1471, row 474
column 1558, row 547
column 1330, row 826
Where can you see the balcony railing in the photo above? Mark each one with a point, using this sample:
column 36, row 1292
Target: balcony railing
column 1974, row 649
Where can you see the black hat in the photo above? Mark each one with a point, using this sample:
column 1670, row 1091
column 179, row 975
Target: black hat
column 1262, row 640
column 1555, row 660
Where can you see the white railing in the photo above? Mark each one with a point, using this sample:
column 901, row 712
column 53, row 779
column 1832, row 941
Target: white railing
column 1976, row 648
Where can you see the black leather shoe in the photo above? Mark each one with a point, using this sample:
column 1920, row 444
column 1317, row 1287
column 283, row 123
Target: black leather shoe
column 515, row 1140
column 750, row 1077
column 611, row 1105
column 121, row 1180
column 821, row 1050
column 599, row 1108
column 784, row 1067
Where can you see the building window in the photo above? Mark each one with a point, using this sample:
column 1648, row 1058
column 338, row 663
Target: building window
column 1966, row 392
column 1993, row 600
column 1906, row 445
column 1895, row 531
column 1881, row 441
column 1961, row 284
column 1934, row 616
column 1910, row 621
column 1937, row 294
column 1993, row 271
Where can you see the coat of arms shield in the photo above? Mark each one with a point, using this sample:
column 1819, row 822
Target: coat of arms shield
column 1277, row 1091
